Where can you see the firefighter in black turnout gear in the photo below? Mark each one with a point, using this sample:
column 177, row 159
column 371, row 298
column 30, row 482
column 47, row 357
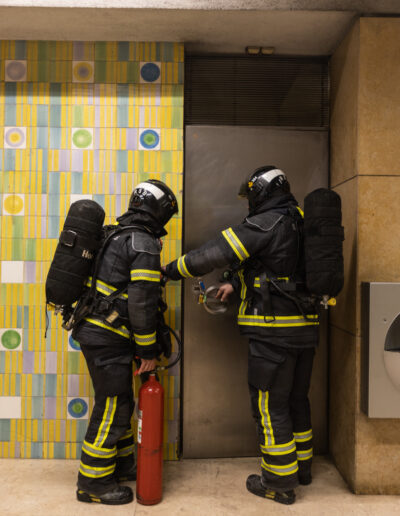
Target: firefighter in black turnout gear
column 277, row 316
column 131, row 260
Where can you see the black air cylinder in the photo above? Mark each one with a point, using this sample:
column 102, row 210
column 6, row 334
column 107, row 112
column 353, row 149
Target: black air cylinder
column 79, row 240
column 323, row 242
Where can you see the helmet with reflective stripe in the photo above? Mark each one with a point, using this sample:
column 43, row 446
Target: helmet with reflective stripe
column 155, row 198
column 264, row 182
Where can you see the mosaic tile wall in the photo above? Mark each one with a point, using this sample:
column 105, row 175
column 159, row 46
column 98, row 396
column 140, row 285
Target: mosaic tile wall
column 77, row 120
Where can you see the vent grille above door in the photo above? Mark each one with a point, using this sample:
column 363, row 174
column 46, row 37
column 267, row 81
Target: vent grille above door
column 267, row 91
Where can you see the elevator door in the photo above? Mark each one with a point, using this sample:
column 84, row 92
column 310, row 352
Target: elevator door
column 217, row 420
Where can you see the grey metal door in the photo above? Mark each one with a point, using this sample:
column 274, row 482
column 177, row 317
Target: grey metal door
column 216, row 410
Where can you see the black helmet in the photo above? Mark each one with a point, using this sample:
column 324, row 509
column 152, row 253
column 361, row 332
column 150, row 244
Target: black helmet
column 264, row 182
column 155, row 198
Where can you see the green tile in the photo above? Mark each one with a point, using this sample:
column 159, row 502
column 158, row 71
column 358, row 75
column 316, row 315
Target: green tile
column 55, row 93
column 38, row 384
column 43, row 69
column 177, row 118
column 17, row 252
column 100, row 51
column 132, row 72
column 42, row 116
column 60, row 71
column 30, row 249
column 123, row 51
column 37, row 450
column 59, row 450
column 5, row 425
column 10, row 115
column 20, row 50
column 77, row 116
column 100, row 71
column 43, row 50
column 73, row 362
column 81, row 427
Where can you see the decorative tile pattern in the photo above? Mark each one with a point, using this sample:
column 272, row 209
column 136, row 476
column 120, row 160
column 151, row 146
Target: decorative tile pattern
column 78, row 120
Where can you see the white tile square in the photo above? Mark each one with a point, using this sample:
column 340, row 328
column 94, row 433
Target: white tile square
column 14, row 137
column 149, row 139
column 11, row 339
column 10, row 407
column 12, row 272
column 82, row 138
column 83, row 71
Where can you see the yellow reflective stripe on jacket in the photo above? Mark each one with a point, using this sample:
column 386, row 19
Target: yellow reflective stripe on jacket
column 127, row 434
column 145, row 275
column 145, row 340
column 96, row 472
column 243, row 293
column 122, row 330
column 304, row 454
column 105, row 288
column 106, row 422
column 278, row 321
column 263, row 398
column 282, row 471
column 279, row 449
column 300, row 211
column 182, row 267
column 236, row 245
column 302, row 437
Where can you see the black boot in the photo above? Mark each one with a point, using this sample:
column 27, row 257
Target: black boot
column 116, row 496
column 305, row 479
column 128, row 476
column 254, row 485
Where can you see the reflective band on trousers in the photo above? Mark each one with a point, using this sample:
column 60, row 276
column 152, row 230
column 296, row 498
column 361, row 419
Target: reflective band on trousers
column 108, row 416
column 124, row 452
column 289, row 469
column 145, row 340
column 236, row 245
column 301, row 437
column 145, row 275
column 279, row 449
column 96, row 472
column 304, row 454
column 104, row 288
column 182, row 268
column 278, row 322
column 101, row 453
column 122, row 330
column 263, row 397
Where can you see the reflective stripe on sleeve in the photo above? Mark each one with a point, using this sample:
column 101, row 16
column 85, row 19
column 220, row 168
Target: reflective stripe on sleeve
column 278, row 321
column 304, row 454
column 182, row 267
column 301, row 437
column 145, row 275
column 236, row 245
column 96, row 472
column 145, row 340
column 279, row 449
column 282, row 471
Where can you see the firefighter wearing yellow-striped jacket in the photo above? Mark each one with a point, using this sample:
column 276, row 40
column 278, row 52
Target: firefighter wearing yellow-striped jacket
column 277, row 315
column 132, row 260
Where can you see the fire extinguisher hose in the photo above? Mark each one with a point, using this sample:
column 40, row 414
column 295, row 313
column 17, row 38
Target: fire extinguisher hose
column 178, row 355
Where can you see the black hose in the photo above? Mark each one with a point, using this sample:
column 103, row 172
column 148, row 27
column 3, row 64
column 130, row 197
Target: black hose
column 178, row 355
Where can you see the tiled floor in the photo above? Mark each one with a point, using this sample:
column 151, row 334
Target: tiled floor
column 191, row 487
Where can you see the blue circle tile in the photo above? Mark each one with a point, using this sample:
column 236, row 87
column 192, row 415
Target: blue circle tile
column 150, row 72
column 77, row 408
column 149, row 139
column 74, row 344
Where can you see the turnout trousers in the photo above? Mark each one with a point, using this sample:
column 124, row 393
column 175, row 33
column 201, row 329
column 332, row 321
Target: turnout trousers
column 108, row 448
column 279, row 380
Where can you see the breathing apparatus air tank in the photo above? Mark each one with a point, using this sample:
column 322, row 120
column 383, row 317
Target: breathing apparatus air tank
column 323, row 244
column 150, row 442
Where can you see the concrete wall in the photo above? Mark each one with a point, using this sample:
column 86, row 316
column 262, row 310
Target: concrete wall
column 365, row 171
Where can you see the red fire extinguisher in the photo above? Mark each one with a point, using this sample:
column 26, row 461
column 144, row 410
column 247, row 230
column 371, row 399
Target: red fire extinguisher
column 150, row 442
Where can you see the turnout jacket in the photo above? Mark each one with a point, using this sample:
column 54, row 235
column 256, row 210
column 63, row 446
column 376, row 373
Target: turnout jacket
column 132, row 260
column 266, row 251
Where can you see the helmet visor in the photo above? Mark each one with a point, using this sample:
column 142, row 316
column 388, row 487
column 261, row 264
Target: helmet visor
column 244, row 190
